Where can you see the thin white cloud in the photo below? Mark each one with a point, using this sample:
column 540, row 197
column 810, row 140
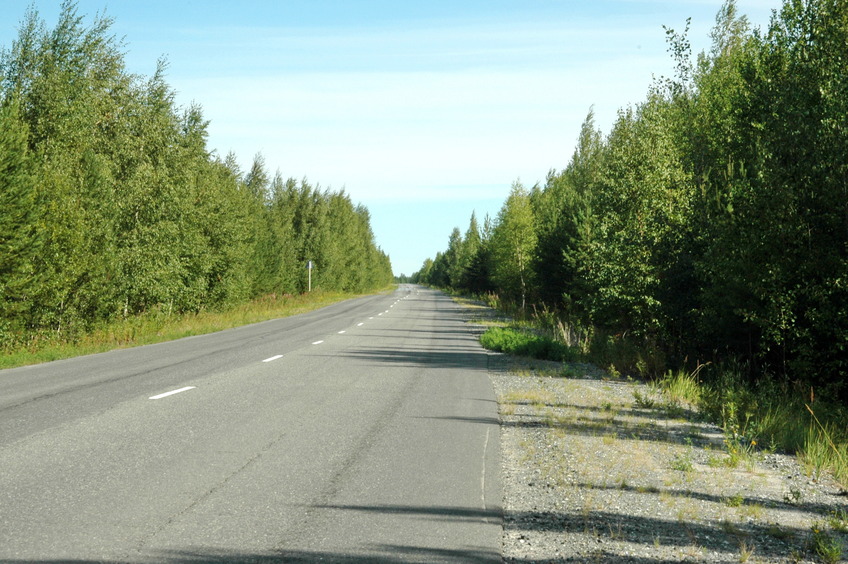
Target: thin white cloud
column 509, row 106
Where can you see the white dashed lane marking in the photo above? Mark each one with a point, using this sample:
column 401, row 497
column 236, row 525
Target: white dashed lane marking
column 172, row 392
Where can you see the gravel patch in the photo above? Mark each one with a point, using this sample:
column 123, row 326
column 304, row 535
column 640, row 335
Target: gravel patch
column 590, row 476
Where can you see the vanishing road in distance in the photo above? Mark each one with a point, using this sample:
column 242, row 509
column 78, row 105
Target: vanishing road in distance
column 362, row 432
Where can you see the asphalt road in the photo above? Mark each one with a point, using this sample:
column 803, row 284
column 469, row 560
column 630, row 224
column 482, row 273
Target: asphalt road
column 363, row 432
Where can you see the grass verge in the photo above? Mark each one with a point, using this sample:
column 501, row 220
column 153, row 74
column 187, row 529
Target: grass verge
column 158, row 327
column 523, row 342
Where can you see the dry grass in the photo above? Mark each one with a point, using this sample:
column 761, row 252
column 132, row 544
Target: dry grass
column 608, row 454
column 158, row 327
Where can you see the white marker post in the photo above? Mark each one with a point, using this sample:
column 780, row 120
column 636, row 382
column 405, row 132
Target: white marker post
column 309, row 270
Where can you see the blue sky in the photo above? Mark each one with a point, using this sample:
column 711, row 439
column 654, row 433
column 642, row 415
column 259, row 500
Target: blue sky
column 421, row 111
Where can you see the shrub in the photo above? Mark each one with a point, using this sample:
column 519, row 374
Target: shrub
column 523, row 343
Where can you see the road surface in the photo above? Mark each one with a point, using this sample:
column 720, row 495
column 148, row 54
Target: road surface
column 363, row 432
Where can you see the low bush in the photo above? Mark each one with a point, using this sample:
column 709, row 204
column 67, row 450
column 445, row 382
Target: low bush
column 524, row 343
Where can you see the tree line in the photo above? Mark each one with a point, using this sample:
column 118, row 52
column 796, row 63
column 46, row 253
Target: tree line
column 112, row 205
column 710, row 223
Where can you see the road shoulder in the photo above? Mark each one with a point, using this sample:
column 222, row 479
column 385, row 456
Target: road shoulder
column 592, row 474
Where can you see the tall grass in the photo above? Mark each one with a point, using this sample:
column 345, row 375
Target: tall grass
column 778, row 416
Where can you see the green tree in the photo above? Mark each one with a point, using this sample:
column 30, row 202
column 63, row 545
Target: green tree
column 563, row 217
column 19, row 216
column 513, row 246
column 784, row 229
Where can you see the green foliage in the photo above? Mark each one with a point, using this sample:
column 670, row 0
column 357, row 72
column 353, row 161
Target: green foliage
column 158, row 327
column 564, row 226
column 710, row 223
column 111, row 205
column 523, row 343
column 19, row 215
column 708, row 227
column 513, row 246
column 824, row 544
column 683, row 462
column 682, row 386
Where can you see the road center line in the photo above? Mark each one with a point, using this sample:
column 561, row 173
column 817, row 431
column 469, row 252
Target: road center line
column 273, row 358
column 360, row 324
column 342, row 332
column 317, row 342
column 172, row 392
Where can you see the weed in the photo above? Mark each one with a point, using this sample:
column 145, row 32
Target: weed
column 688, row 513
column 825, row 545
column 740, row 451
column 682, row 462
column 682, row 387
column 615, row 533
column 815, row 453
column 643, row 401
column 716, row 460
column 734, row 501
column 776, row 531
column 826, row 452
column 838, row 520
column 752, row 511
column 745, row 551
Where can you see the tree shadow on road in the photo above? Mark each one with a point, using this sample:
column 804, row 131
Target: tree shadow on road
column 459, row 357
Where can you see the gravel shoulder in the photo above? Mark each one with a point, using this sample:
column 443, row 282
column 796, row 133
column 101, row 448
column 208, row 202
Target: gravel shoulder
column 591, row 475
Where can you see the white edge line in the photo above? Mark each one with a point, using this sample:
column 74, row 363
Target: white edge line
column 172, row 392
column 273, row 358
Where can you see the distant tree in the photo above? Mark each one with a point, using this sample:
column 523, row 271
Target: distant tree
column 453, row 258
column 468, row 251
